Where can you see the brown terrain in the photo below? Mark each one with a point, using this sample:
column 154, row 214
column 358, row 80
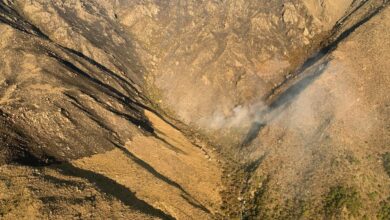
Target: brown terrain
column 219, row 109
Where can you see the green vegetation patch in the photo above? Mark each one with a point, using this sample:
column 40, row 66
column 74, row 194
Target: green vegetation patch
column 386, row 162
column 340, row 197
column 384, row 211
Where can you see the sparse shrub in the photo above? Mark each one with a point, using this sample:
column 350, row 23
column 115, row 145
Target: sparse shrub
column 372, row 195
column 384, row 212
column 352, row 159
column 294, row 209
column 340, row 197
column 386, row 162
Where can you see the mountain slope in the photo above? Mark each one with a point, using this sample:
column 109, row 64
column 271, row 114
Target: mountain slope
column 194, row 109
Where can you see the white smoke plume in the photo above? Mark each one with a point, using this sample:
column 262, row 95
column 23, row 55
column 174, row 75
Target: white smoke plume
column 300, row 109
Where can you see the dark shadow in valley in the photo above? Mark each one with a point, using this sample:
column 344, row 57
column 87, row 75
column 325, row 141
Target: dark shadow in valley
column 110, row 91
column 158, row 175
column 133, row 91
column 12, row 18
column 16, row 146
column 149, row 168
column 169, row 145
column 101, row 121
column 194, row 204
column 112, row 188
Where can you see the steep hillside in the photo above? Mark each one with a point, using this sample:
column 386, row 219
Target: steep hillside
column 194, row 109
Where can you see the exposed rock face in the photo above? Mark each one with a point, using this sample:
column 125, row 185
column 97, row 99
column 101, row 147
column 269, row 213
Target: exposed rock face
column 123, row 106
